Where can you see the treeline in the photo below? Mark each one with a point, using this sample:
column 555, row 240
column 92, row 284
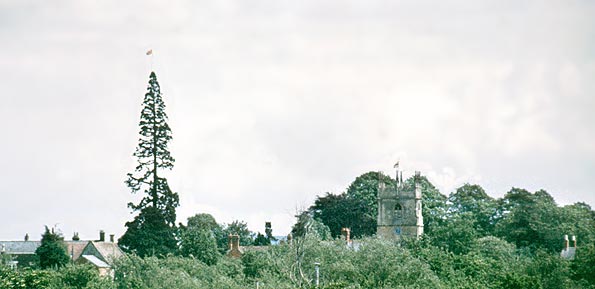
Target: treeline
column 471, row 240
column 530, row 221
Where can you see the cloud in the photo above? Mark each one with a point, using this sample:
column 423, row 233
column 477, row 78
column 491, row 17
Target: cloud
column 274, row 103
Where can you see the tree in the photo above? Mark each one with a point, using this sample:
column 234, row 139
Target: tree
column 473, row 200
column 362, row 196
column 142, row 235
column 434, row 208
column 207, row 222
column 196, row 235
column 261, row 240
column 153, row 230
column 52, row 251
column 199, row 243
column 240, row 228
column 334, row 211
column 535, row 221
column 584, row 264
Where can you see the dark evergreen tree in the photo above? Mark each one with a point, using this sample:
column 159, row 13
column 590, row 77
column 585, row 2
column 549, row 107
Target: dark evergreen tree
column 152, row 232
column 261, row 240
column 52, row 251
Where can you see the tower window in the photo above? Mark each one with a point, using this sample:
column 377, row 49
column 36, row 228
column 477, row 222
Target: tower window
column 398, row 211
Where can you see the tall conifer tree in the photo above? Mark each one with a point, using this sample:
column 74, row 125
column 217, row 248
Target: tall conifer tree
column 152, row 232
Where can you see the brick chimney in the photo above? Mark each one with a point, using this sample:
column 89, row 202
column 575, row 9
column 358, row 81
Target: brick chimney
column 101, row 236
column 234, row 246
column 573, row 241
column 346, row 235
column 111, row 238
column 565, row 242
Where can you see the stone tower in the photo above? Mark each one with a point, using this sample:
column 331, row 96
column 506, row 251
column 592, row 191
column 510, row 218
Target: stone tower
column 399, row 210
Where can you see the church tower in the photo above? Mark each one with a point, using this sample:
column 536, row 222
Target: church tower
column 399, row 210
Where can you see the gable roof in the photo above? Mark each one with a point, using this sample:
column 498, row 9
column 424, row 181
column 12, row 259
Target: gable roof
column 95, row 261
column 75, row 248
column 107, row 251
column 19, row 247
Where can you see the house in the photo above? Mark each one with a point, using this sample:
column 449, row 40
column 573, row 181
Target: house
column 101, row 266
column 99, row 253
column 19, row 253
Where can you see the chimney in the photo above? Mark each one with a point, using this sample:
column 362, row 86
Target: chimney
column 235, row 242
column 345, row 233
column 101, row 236
column 229, row 241
column 111, row 238
column 565, row 242
column 26, row 237
column 573, row 241
column 234, row 246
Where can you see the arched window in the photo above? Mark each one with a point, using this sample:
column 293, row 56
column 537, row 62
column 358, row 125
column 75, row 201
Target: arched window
column 398, row 211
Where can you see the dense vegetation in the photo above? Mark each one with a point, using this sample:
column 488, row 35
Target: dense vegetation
column 472, row 241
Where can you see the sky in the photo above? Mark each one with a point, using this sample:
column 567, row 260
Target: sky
column 273, row 102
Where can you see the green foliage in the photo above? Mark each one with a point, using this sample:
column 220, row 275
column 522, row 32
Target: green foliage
column 532, row 220
column 203, row 221
column 30, row 279
column 207, row 222
column 489, row 262
column 434, row 204
column 339, row 211
column 153, row 230
column 473, row 201
column 356, row 209
column 362, row 203
column 239, row 228
column 261, row 240
column 177, row 272
column 306, row 224
column 148, row 235
column 52, row 251
column 79, row 277
column 199, row 243
column 583, row 266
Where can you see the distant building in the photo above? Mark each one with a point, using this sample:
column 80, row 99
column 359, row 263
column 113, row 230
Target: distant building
column 400, row 210
column 100, row 253
column 19, row 253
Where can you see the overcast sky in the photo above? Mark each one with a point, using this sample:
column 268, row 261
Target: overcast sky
column 274, row 102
